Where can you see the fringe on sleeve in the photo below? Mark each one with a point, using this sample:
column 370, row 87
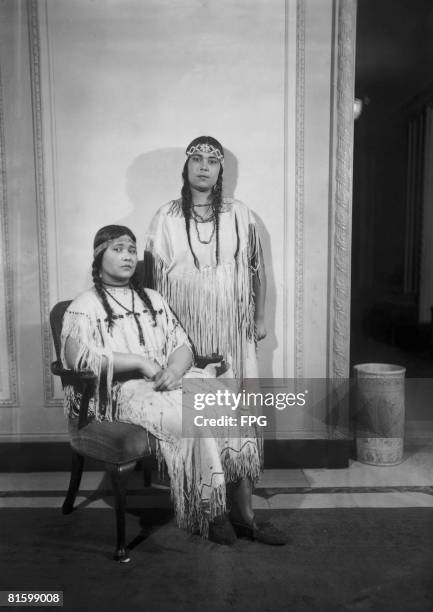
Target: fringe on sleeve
column 155, row 235
column 92, row 353
column 255, row 253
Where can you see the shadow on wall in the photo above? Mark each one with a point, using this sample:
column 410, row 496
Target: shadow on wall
column 155, row 178
column 270, row 343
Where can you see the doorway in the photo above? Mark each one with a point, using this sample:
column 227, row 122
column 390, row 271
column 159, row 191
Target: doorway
column 394, row 56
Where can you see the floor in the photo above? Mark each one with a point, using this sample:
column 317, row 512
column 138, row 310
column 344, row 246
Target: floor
column 408, row 484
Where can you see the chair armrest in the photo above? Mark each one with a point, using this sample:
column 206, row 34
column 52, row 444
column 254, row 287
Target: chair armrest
column 71, row 376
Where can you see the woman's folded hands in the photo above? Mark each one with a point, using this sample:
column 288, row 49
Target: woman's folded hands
column 167, row 379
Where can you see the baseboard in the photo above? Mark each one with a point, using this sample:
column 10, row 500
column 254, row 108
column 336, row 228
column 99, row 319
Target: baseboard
column 311, row 454
column 419, row 432
column 38, row 457
column 55, row 456
column 279, row 454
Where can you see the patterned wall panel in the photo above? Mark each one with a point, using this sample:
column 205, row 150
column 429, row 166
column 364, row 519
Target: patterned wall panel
column 8, row 353
column 299, row 188
column 44, row 147
column 341, row 198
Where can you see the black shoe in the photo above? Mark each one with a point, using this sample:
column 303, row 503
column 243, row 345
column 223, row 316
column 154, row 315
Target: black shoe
column 266, row 533
column 221, row 531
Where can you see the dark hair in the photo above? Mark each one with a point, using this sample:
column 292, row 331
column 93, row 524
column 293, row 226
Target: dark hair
column 216, row 202
column 111, row 232
column 213, row 142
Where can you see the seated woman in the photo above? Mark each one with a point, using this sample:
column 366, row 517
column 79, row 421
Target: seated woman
column 122, row 332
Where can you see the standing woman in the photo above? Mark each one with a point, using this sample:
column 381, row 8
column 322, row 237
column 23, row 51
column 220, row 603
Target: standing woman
column 206, row 259
column 203, row 254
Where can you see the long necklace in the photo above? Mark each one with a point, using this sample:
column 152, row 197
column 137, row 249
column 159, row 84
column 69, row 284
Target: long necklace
column 201, row 219
column 132, row 312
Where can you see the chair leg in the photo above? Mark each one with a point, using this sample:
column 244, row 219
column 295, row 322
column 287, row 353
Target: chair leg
column 74, row 482
column 119, row 475
column 147, row 470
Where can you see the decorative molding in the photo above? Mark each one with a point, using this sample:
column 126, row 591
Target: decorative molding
column 286, row 345
column 38, row 136
column 299, row 189
column 341, row 192
column 7, row 271
column 285, row 185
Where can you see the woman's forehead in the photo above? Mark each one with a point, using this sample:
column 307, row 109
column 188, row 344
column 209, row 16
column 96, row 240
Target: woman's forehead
column 123, row 240
column 203, row 155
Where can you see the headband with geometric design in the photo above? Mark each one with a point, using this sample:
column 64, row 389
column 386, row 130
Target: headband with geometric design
column 204, row 147
column 104, row 245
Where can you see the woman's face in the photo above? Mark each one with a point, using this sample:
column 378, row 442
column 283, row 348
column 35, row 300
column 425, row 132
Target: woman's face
column 119, row 261
column 203, row 170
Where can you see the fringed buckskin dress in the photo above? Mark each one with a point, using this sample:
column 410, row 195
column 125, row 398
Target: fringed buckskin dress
column 199, row 468
column 214, row 303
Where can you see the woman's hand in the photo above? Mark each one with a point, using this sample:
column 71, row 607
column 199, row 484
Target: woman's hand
column 167, row 380
column 260, row 328
column 149, row 369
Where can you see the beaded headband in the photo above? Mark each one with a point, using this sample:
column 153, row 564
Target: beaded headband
column 104, row 245
column 204, row 147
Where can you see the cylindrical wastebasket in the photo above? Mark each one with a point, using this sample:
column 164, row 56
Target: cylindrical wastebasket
column 379, row 413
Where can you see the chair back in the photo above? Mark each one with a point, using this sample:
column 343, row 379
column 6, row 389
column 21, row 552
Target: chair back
column 56, row 320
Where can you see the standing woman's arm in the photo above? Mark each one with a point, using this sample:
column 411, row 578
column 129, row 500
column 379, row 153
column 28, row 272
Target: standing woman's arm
column 257, row 268
column 259, row 288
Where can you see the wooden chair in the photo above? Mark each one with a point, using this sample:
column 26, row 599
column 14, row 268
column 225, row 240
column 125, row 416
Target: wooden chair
column 117, row 445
